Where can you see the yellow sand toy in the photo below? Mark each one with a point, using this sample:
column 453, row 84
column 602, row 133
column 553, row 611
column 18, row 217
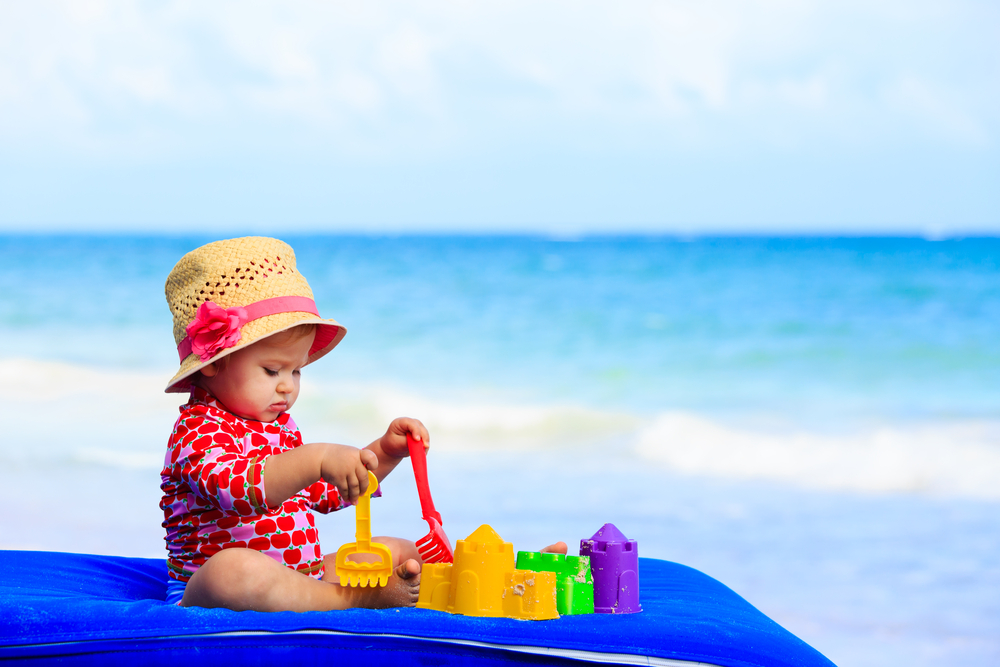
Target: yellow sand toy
column 360, row 573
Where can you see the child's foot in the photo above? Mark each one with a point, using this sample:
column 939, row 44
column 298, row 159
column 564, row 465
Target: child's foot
column 402, row 590
column 557, row 548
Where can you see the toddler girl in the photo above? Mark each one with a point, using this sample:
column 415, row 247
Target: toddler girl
column 238, row 482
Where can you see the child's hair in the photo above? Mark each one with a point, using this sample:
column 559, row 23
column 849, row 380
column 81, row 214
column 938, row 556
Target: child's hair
column 282, row 338
column 289, row 336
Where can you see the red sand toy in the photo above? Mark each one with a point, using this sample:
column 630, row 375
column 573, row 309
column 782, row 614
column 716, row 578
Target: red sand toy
column 433, row 547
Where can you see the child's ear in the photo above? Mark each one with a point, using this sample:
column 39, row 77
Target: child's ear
column 211, row 370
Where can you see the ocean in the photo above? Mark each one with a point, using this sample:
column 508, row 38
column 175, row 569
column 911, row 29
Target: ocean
column 813, row 421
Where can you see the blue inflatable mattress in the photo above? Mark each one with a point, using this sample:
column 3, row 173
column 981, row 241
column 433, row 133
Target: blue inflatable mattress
column 81, row 610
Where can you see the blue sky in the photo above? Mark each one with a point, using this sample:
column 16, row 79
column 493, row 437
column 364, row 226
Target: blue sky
column 544, row 116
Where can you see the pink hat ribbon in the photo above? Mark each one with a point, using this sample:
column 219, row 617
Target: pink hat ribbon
column 216, row 328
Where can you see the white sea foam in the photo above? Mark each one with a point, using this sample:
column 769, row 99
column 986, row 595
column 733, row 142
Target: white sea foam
column 938, row 458
column 364, row 410
column 71, row 415
column 64, row 413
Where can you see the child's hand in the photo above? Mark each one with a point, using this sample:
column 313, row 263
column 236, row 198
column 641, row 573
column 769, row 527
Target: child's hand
column 393, row 443
column 347, row 469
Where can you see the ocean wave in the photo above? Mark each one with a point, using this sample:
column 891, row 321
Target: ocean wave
column 73, row 415
column 930, row 458
column 115, row 458
column 68, row 414
column 363, row 411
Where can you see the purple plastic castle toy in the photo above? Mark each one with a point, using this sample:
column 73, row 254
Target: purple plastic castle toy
column 614, row 563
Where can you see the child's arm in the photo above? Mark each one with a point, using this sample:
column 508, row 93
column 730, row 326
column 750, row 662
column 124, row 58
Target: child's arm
column 343, row 466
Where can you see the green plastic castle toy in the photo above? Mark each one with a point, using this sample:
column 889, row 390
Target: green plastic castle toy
column 574, row 583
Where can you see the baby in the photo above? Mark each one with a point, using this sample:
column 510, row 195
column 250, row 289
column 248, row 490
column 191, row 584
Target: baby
column 238, row 482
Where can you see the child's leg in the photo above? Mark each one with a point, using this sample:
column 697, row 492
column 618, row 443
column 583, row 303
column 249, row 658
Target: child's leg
column 242, row 579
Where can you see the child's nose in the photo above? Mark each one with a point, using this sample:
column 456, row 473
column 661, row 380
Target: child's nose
column 285, row 387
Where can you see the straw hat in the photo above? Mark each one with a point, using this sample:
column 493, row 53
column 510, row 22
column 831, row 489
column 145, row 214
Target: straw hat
column 229, row 294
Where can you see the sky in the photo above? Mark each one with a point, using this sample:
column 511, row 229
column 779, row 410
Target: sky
column 544, row 116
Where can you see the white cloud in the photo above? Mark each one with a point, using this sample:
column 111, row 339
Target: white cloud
column 936, row 108
column 451, row 111
column 407, row 77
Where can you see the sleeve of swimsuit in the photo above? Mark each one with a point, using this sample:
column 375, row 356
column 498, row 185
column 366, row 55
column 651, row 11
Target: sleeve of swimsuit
column 324, row 498
column 206, row 454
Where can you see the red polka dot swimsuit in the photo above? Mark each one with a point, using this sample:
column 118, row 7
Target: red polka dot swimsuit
column 213, row 491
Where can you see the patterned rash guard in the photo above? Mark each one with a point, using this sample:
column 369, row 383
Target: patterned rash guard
column 213, row 491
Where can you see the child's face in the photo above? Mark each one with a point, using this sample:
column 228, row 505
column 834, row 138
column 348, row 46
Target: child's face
column 260, row 381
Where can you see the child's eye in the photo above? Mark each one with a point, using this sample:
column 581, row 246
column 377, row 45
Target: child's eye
column 296, row 372
column 272, row 373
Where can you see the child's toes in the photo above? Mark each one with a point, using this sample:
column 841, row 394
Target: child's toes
column 409, row 575
column 409, row 570
column 557, row 548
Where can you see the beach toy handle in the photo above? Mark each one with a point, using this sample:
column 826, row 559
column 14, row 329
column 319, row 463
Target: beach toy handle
column 418, row 457
column 363, row 515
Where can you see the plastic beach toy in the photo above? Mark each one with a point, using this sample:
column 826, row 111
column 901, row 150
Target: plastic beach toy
column 574, row 584
column 434, row 547
column 614, row 563
column 357, row 573
column 483, row 582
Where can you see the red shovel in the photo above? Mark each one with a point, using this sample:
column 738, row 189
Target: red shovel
column 433, row 547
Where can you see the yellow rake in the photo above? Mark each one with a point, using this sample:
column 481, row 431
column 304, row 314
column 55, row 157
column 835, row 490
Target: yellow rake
column 364, row 573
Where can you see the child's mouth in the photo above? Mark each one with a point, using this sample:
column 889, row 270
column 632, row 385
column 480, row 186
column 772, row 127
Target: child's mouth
column 278, row 407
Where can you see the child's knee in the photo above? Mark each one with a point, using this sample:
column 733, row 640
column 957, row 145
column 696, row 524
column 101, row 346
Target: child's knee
column 231, row 576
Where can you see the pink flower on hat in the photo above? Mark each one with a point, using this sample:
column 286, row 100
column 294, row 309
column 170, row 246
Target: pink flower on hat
column 215, row 328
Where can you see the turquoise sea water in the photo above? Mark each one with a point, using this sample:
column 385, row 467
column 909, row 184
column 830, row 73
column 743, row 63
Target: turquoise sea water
column 899, row 328
column 813, row 421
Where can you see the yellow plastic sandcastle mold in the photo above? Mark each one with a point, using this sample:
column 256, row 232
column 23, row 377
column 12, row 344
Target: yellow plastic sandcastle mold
column 356, row 573
column 530, row 596
column 484, row 582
